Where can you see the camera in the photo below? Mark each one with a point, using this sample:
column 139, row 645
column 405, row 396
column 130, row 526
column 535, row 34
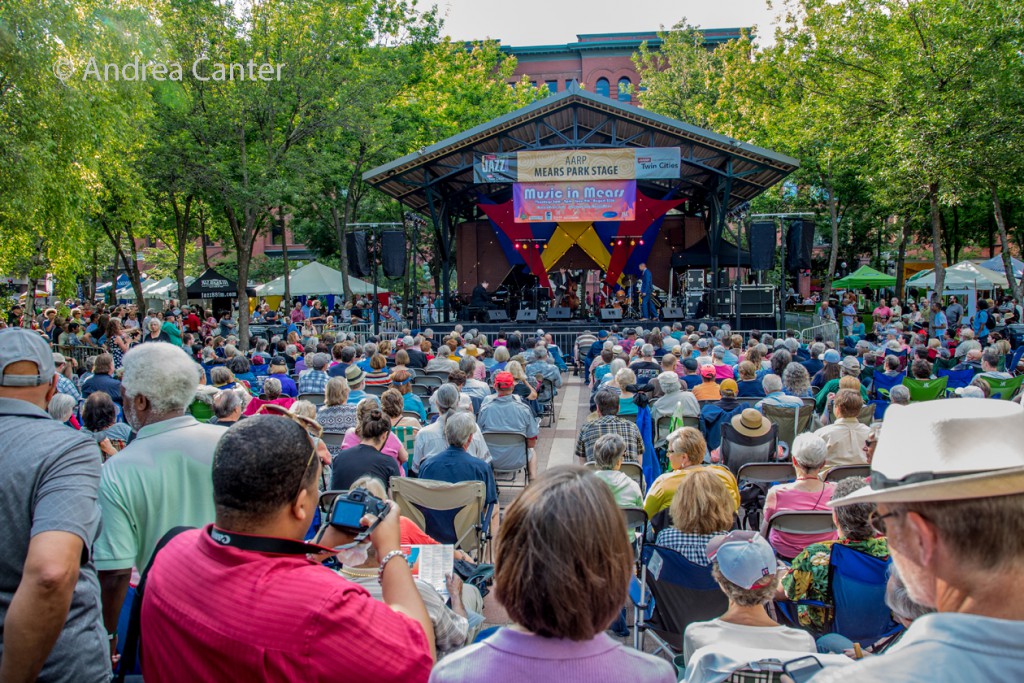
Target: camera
column 351, row 506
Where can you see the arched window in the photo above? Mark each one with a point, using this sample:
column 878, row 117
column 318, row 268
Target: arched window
column 602, row 87
column 625, row 90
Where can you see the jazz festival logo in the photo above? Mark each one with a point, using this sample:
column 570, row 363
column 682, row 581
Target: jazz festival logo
column 202, row 69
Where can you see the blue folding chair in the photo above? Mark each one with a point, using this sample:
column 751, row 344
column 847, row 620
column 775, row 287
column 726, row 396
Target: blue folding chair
column 882, row 384
column 681, row 593
column 902, row 355
column 856, row 607
column 956, row 379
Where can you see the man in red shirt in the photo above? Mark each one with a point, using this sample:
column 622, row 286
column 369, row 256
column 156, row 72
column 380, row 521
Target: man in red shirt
column 192, row 322
column 215, row 611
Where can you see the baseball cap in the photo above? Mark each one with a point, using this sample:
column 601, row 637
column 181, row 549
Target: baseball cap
column 602, row 334
column 59, row 359
column 831, row 356
column 851, row 363
column 278, row 360
column 707, row 371
column 729, row 385
column 504, row 380
column 744, row 558
column 17, row 344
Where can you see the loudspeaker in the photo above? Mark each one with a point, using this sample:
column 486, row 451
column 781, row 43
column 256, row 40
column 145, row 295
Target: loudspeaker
column 695, row 279
column 799, row 242
column 611, row 314
column 393, row 253
column 358, row 261
column 673, row 313
column 559, row 313
column 762, row 245
column 526, row 315
column 757, row 300
column 498, row 316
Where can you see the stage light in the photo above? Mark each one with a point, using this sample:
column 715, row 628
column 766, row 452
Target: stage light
column 619, row 243
column 515, row 245
column 632, row 243
column 641, row 243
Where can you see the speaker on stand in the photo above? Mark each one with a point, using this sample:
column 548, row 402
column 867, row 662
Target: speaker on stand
column 497, row 316
column 610, row 314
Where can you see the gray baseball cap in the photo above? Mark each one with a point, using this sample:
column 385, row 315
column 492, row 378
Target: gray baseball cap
column 18, row 344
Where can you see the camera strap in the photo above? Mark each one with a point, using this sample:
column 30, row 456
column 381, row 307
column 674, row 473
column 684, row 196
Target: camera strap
column 266, row 544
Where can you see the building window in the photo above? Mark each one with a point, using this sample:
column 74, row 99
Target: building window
column 552, row 86
column 602, row 87
column 568, row 83
column 275, row 233
column 625, row 91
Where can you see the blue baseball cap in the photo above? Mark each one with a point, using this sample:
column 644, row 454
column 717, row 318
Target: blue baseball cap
column 831, row 356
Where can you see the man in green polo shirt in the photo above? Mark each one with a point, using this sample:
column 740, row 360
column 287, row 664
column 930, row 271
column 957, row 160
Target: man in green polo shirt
column 850, row 367
column 162, row 479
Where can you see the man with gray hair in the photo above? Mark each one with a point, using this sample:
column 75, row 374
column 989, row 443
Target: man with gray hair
column 431, row 439
column 227, row 407
column 899, row 395
column 473, row 387
column 814, row 363
column 455, row 465
column 417, row 359
column 313, row 380
column 674, row 398
column 542, row 366
column 947, row 478
column 775, row 396
column 162, row 479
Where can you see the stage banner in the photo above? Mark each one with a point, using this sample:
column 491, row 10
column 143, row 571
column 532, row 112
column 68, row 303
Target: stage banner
column 627, row 163
column 601, row 200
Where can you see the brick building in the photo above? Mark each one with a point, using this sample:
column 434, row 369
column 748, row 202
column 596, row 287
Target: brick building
column 602, row 62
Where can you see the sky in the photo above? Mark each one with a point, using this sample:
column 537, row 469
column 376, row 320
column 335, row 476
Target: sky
column 546, row 22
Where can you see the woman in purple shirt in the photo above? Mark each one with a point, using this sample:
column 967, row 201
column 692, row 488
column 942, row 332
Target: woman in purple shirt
column 562, row 571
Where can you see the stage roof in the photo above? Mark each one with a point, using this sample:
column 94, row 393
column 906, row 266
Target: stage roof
column 716, row 168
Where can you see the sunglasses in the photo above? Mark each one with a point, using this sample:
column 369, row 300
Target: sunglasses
column 314, row 430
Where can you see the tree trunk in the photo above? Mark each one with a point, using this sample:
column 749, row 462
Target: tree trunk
column 997, row 210
column 91, row 290
column 244, row 256
column 284, row 255
column 833, row 252
column 341, row 232
column 936, row 216
column 203, row 240
column 182, row 221
column 901, row 257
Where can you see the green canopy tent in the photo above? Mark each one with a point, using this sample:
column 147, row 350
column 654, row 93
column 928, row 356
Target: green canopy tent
column 865, row 276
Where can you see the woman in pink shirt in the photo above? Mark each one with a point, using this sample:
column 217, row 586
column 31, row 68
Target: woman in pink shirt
column 808, row 492
column 392, row 447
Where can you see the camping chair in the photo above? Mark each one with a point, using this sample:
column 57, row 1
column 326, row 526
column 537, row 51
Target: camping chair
column 672, row 593
column 867, row 414
column 754, row 479
column 944, row 364
column 407, row 435
column 856, row 606
column 662, row 428
column 201, row 411
column 739, row 449
column 802, row 523
column 955, row 379
column 636, row 524
column 843, row 471
column 453, row 514
column 882, row 384
column 315, row 399
column 789, row 421
column 635, row 471
column 1000, row 388
column 546, row 399
column 902, row 355
column 925, row 389
column 510, row 456
column 1017, row 355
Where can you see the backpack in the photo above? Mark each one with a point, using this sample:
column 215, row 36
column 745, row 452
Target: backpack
column 990, row 322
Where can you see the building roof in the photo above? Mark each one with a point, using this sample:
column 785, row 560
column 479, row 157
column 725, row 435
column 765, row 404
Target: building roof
column 577, row 119
column 587, row 42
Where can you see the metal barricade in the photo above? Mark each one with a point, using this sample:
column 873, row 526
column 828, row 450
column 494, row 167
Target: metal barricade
column 78, row 353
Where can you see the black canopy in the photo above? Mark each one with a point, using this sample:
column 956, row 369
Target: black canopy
column 213, row 285
column 699, row 256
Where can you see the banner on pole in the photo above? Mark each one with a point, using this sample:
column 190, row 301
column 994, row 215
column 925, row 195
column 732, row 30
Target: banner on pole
column 626, row 163
column 601, row 200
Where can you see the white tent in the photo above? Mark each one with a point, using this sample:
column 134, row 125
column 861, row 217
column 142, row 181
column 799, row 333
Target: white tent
column 316, row 279
column 982, row 277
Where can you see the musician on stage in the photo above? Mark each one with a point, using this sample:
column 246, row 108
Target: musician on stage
column 481, row 298
column 647, row 311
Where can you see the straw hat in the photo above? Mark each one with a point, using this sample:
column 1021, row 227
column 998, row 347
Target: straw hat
column 953, row 449
column 751, row 423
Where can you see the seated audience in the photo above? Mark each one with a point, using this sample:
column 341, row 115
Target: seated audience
column 673, row 398
column 393, row 446
column 278, row 615
column 271, row 394
column 808, row 492
column 746, row 570
column 401, row 380
column 431, row 439
column 336, row 415
column 227, row 407
column 366, row 457
column 845, row 437
column 99, row 420
column 708, row 388
column 609, row 422
column 702, row 508
column 562, row 589
column 505, row 412
column 808, row 577
column 774, row 395
column 686, row 452
column 608, row 452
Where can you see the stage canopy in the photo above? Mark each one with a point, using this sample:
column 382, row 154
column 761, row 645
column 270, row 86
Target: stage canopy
column 963, row 275
column 316, row 279
column 213, row 285
column 996, row 263
column 718, row 174
column 865, row 276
